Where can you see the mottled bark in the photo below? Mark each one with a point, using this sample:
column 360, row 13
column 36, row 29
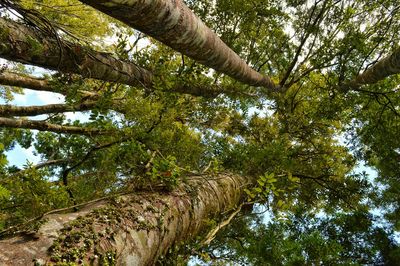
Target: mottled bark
column 12, row 110
column 174, row 24
column 385, row 67
column 135, row 229
column 45, row 126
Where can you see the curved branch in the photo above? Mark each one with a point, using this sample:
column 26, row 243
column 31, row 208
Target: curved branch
column 40, row 166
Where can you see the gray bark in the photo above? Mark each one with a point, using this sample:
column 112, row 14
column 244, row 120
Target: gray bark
column 175, row 25
column 136, row 229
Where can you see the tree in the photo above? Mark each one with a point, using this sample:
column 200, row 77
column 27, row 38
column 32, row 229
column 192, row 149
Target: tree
column 162, row 129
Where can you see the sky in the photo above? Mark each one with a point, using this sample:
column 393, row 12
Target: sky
column 20, row 156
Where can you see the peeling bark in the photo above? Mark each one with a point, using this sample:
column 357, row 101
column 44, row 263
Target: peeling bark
column 45, row 126
column 385, row 67
column 134, row 229
column 175, row 25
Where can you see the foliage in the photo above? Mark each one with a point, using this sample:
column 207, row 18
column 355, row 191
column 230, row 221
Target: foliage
column 300, row 147
column 304, row 238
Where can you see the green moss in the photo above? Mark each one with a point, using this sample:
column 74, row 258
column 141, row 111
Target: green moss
column 108, row 259
column 35, row 47
column 4, row 34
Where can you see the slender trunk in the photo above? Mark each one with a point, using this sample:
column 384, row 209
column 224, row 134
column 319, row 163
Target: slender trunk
column 385, row 67
column 174, row 24
column 45, row 126
column 135, row 229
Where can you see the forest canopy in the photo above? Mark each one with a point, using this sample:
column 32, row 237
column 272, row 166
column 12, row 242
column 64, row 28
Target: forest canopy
column 286, row 112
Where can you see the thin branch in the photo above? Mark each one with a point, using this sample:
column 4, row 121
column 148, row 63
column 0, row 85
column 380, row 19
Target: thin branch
column 33, row 83
column 39, row 166
column 12, row 110
column 304, row 39
column 44, row 126
column 211, row 235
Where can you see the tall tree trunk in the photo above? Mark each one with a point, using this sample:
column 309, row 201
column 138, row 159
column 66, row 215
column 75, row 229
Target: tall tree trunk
column 174, row 24
column 134, row 229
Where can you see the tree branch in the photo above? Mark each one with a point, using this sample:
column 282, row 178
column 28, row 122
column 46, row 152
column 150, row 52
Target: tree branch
column 385, row 67
column 12, row 110
column 33, row 83
column 25, row 45
column 183, row 31
column 44, row 126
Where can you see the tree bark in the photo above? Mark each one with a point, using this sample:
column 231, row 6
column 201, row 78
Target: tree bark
column 385, row 67
column 12, row 110
column 33, row 83
column 133, row 229
column 24, row 81
column 175, row 25
column 22, row 44
column 45, row 126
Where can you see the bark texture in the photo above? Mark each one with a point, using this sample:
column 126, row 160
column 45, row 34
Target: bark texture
column 12, row 110
column 22, row 44
column 45, row 126
column 385, row 67
column 38, row 84
column 134, row 229
column 18, row 80
column 175, row 25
